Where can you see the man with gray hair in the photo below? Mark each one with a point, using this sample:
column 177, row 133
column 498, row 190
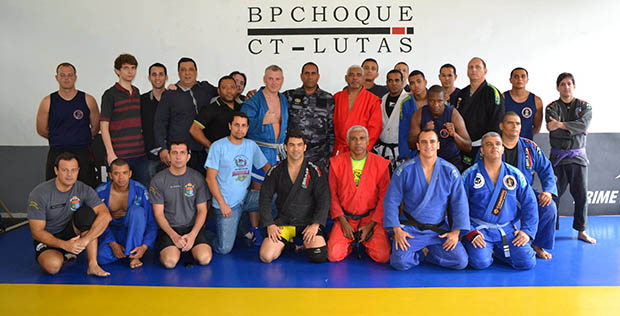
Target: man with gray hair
column 267, row 112
column 356, row 201
column 356, row 106
column 499, row 196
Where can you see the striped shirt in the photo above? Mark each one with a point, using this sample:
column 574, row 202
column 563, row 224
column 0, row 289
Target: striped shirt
column 121, row 109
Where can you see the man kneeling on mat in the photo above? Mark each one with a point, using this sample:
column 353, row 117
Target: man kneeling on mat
column 66, row 216
column 358, row 180
column 428, row 186
column 499, row 196
column 133, row 228
column 179, row 199
column 302, row 202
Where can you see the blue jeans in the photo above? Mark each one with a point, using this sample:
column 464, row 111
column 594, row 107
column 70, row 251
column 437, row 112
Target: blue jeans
column 139, row 169
column 152, row 168
column 227, row 229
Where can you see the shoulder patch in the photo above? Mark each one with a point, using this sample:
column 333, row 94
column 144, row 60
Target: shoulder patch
column 102, row 187
column 33, row 204
column 400, row 168
column 497, row 96
column 273, row 168
column 316, row 168
column 531, row 142
column 469, row 170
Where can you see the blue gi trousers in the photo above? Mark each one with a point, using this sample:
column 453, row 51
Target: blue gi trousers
column 521, row 258
column 128, row 232
column 545, row 234
column 404, row 260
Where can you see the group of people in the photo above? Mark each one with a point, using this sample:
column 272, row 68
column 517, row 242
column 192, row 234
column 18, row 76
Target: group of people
column 407, row 173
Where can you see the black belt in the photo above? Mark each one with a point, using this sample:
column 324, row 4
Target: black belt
column 355, row 244
column 356, row 216
column 412, row 222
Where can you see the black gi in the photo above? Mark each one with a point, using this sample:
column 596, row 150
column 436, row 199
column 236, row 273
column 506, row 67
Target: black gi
column 301, row 203
column 482, row 113
column 572, row 169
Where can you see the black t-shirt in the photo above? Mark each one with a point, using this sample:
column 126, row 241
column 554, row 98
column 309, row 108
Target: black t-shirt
column 215, row 117
column 379, row 90
column 148, row 106
column 510, row 156
column 390, row 103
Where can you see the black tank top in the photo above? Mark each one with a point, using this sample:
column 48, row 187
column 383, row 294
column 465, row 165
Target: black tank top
column 69, row 121
column 447, row 144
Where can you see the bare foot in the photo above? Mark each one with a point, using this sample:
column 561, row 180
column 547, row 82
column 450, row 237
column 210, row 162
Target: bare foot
column 69, row 256
column 134, row 263
column 541, row 253
column 585, row 237
column 425, row 251
column 97, row 271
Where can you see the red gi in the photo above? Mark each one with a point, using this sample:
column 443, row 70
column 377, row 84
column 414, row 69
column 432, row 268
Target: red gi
column 368, row 195
column 366, row 112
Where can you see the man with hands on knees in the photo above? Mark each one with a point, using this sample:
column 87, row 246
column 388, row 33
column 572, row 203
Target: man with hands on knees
column 499, row 196
column 133, row 228
column 66, row 216
column 302, row 203
column 358, row 180
column 431, row 189
column 179, row 199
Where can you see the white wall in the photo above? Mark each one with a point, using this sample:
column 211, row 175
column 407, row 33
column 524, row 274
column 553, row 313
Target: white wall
column 546, row 37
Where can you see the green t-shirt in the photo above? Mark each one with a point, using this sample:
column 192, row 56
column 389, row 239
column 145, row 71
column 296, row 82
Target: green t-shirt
column 358, row 166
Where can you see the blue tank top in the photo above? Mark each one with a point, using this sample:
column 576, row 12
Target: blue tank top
column 69, row 121
column 526, row 110
column 447, row 144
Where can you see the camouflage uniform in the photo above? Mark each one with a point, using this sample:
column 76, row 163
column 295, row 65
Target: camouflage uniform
column 313, row 115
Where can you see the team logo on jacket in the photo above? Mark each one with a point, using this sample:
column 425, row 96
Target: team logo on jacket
column 510, row 182
column 189, row 190
column 578, row 111
column 75, row 203
column 526, row 112
column 78, row 114
column 444, row 133
column 478, row 181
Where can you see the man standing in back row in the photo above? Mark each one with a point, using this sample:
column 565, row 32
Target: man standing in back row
column 356, row 106
column 311, row 111
column 267, row 111
column 69, row 119
column 481, row 105
column 568, row 119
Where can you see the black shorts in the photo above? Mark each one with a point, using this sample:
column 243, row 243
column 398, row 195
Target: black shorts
column 66, row 234
column 163, row 240
column 82, row 219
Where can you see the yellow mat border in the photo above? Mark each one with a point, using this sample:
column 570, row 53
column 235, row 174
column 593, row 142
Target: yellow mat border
column 50, row 299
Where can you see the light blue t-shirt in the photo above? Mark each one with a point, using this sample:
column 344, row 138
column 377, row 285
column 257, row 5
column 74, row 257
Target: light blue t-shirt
column 234, row 167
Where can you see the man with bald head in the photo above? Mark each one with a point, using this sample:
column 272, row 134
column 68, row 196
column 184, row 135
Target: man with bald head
column 356, row 106
column 480, row 104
